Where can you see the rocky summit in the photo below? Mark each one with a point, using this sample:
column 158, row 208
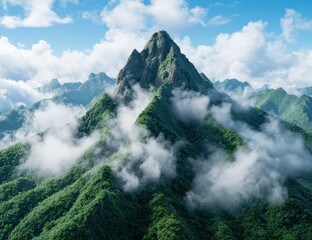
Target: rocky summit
column 161, row 62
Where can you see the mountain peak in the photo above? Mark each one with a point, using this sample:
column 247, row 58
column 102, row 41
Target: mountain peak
column 160, row 44
column 160, row 62
column 280, row 90
column 53, row 85
column 232, row 85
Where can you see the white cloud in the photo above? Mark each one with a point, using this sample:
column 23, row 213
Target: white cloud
column 37, row 14
column 58, row 149
column 92, row 16
column 189, row 105
column 248, row 55
column 293, row 21
column 126, row 16
column 14, row 94
column 130, row 26
column 198, row 15
column 253, row 56
column 218, row 20
column 130, row 23
column 258, row 170
column 147, row 158
column 39, row 65
column 49, row 115
column 134, row 15
column 235, row 54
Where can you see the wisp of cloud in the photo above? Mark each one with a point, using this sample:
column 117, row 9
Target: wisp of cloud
column 258, row 170
column 57, row 149
column 147, row 158
column 189, row 105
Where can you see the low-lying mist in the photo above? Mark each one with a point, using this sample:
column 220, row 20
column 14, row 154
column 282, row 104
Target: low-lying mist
column 147, row 158
column 50, row 132
column 258, row 170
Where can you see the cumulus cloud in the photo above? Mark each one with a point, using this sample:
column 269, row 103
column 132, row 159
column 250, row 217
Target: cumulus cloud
column 292, row 22
column 251, row 55
column 236, row 54
column 135, row 15
column 38, row 65
column 147, row 158
column 37, row 14
column 189, row 105
column 248, row 54
column 258, row 169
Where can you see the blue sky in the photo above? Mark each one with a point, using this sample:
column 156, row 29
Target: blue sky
column 262, row 42
column 82, row 33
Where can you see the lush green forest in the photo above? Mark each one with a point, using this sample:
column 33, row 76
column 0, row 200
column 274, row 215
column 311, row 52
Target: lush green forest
column 90, row 202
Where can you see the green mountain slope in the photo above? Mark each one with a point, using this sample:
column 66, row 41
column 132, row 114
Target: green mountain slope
column 293, row 109
column 88, row 201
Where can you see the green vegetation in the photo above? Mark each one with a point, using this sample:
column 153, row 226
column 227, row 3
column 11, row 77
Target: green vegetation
column 88, row 201
column 98, row 115
column 9, row 159
column 292, row 109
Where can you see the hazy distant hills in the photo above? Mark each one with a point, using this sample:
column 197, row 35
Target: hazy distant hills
column 167, row 157
column 307, row 91
column 74, row 93
column 83, row 93
column 231, row 85
column 288, row 107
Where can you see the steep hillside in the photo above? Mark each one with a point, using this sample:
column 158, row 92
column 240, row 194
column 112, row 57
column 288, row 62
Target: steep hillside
column 293, row 109
column 135, row 181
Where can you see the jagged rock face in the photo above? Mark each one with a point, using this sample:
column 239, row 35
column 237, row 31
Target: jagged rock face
column 161, row 62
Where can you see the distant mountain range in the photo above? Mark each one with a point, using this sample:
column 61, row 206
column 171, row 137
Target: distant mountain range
column 288, row 107
column 306, row 91
column 231, row 85
column 74, row 93
column 175, row 159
